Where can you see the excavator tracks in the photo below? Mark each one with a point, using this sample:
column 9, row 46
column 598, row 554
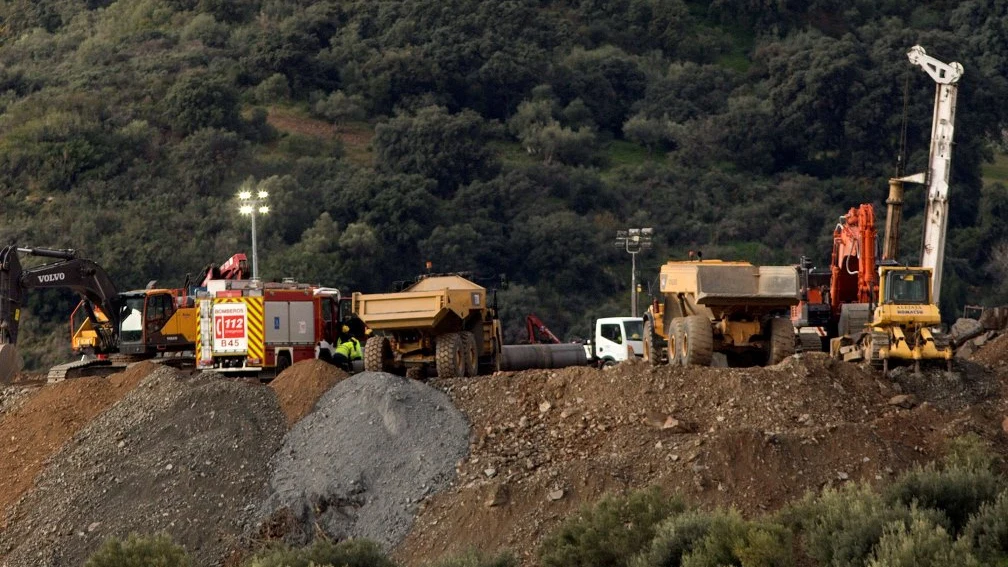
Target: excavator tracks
column 90, row 366
column 877, row 340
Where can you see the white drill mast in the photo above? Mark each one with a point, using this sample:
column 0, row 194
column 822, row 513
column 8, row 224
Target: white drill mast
column 945, row 75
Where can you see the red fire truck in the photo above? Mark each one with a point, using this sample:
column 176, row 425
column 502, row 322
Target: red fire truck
column 255, row 328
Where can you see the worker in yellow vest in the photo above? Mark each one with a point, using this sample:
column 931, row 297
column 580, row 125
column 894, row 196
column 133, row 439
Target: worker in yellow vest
column 348, row 349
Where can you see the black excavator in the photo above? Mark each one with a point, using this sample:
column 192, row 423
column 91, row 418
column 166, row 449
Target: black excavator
column 133, row 325
column 80, row 275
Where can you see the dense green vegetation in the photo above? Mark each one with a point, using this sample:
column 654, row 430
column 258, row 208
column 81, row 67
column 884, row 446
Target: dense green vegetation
column 948, row 513
column 493, row 136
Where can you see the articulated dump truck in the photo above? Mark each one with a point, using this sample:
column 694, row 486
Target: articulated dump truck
column 441, row 322
column 733, row 308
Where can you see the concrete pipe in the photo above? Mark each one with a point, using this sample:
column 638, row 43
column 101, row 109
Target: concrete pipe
column 524, row 357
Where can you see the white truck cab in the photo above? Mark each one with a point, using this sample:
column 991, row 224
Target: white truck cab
column 616, row 339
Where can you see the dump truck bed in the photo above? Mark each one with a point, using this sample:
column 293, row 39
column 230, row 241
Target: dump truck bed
column 424, row 305
column 715, row 283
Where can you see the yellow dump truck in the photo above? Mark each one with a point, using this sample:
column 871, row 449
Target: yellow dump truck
column 441, row 321
column 711, row 306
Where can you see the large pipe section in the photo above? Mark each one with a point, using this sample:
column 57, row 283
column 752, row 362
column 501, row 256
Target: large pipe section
column 525, row 357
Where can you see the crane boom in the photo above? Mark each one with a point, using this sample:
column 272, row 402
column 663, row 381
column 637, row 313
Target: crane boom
column 946, row 77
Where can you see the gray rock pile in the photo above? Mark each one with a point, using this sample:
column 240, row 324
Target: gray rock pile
column 179, row 455
column 375, row 446
column 968, row 335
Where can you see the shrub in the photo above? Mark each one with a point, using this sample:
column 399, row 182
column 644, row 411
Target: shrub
column 611, row 532
column 957, row 491
column 972, row 452
column 922, row 543
column 986, row 534
column 840, row 527
column 139, row 551
column 204, row 28
column 473, row 558
column 198, row 101
column 702, row 539
column 273, row 89
column 339, row 108
column 349, row 553
column 674, row 538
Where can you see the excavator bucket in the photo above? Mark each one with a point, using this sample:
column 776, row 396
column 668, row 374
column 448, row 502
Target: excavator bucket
column 10, row 362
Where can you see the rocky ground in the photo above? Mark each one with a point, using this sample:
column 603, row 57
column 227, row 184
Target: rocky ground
column 428, row 469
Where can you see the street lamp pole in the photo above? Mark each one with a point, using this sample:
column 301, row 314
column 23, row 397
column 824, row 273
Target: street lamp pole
column 250, row 205
column 633, row 240
column 255, row 251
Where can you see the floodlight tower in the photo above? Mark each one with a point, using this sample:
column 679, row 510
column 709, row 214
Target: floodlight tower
column 252, row 205
column 634, row 240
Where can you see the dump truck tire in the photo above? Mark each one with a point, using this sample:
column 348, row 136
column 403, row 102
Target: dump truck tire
column 781, row 340
column 469, row 353
column 378, row 355
column 495, row 364
column 698, row 344
column 676, row 334
column 450, row 360
column 652, row 352
column 283, row 362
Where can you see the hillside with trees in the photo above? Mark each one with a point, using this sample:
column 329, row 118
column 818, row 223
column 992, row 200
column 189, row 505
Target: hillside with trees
column 492, row 136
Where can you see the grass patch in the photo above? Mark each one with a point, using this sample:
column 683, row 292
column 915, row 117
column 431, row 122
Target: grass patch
column 357, row 138
column 513, row 154
column 996, row 171
column 622, row 153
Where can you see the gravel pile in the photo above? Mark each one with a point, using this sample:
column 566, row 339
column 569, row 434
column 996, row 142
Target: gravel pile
column 359, row 465
column 12, row 396
column 184, row 456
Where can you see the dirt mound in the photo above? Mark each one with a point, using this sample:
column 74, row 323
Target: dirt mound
column 357, row 466
column 301, row 385
column 994, row 353
column 47, row 417
column 547, row 442
column 184, row 456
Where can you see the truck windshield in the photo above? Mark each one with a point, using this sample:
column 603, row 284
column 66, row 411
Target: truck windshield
column 634, row 329
column 907, row 287
column 131, row 328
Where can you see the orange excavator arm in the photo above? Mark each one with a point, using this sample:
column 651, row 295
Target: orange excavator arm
column 853, row 261
column 538, row 332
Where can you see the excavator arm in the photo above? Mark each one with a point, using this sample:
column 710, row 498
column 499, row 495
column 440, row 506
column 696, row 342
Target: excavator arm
column 80, row 275
column 538, row 332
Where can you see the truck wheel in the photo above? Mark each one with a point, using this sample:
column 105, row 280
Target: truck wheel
column 378, row 354
column 449, row 359
column 283, row 362
column 675, row 335
column 652, row 352
column 495, row 357
column 698, row 344
column 469, row 353
column 781, row 340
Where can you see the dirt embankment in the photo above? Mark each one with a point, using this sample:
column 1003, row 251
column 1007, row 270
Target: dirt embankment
column 495, row 462
column 547, row 442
